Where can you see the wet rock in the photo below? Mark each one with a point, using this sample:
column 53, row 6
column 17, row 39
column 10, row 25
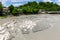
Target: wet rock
column 25, row 31
column 40, row 26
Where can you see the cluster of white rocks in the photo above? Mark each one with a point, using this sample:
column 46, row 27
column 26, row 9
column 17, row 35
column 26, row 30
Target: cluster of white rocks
column 9, row 30
column 26, row 26
column 6, row 30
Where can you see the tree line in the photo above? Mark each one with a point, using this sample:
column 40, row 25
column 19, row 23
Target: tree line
column 31, row 8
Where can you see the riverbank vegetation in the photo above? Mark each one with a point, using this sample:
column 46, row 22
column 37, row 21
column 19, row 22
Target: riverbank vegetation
column 29, row 8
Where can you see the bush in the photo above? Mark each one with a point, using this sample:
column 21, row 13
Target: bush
column 20, row 11
column 30, row 11
column 15, row 12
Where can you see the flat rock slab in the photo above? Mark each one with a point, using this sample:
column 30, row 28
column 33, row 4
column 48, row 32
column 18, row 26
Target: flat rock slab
column 41, row 26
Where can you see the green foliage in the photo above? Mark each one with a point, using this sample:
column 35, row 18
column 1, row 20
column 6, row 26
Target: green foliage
column 33, row 7
column 20, row 11
column 1, row 9
column 11, row 8
column 1, row 6
column 15, row 12
column 30, row 8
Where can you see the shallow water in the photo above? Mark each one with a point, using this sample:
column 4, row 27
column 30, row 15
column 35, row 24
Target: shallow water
column 38, row 27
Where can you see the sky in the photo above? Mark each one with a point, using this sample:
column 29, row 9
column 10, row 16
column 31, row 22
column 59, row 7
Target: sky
column 21, row 2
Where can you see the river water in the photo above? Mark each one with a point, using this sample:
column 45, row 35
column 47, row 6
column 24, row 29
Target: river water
column 31, row 27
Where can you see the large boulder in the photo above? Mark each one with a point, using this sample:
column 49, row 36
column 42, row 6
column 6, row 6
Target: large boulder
column 41, row 26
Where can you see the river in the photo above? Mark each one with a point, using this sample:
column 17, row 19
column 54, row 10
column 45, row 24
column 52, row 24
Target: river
column 32, row 27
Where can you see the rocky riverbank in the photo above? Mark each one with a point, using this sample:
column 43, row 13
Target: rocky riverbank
column 30, row 27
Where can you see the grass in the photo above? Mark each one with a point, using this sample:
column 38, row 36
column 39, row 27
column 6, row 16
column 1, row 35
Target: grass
column 2, row 17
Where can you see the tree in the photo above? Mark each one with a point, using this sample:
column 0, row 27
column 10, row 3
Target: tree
column 11, row 8
column 34, row 3
column 1, row 9
column 30, row 7
column 33, row 7
column 15, row 12
column 20, row 11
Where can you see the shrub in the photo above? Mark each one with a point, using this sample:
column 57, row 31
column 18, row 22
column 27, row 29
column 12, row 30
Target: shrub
column 15, row 12
column 20, row 11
